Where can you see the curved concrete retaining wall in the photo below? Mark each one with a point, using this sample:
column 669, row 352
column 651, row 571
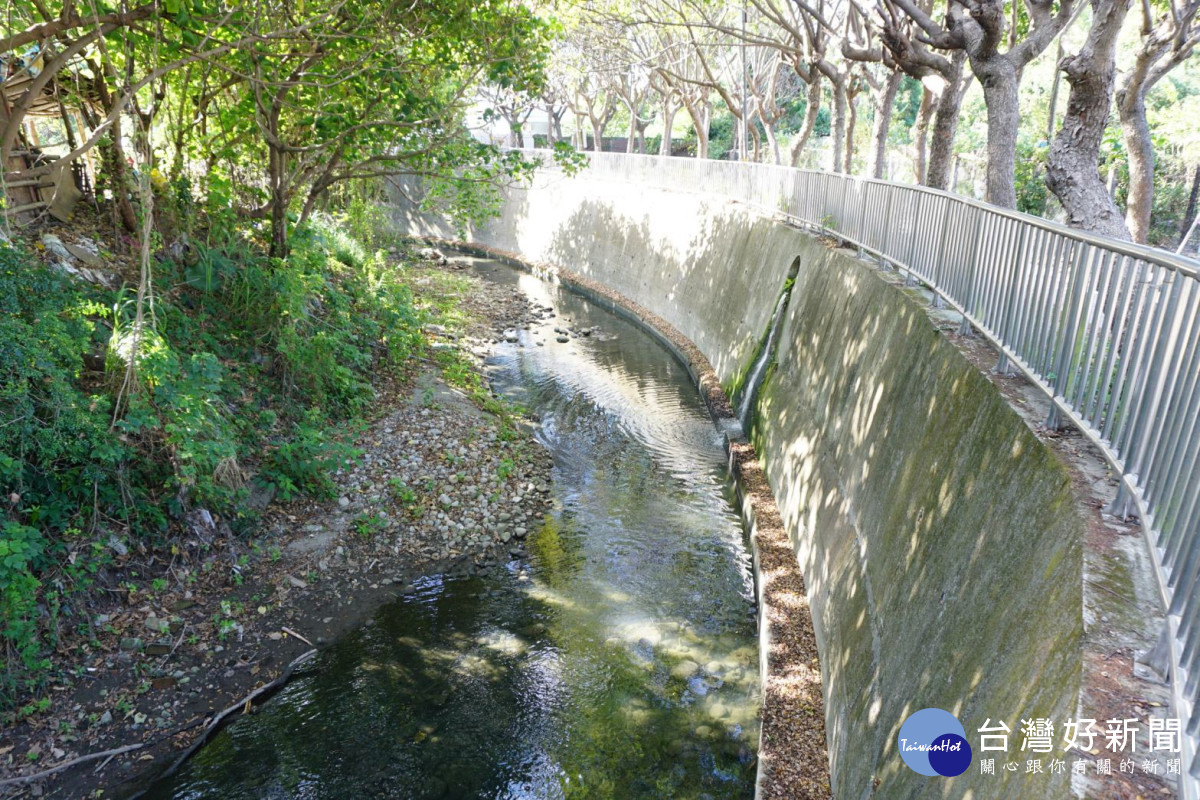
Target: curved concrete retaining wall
column 938, row 537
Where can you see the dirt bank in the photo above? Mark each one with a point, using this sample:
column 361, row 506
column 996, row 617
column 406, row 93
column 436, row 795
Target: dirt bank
column 440, row 486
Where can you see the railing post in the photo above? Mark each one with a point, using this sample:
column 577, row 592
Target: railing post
column 1002, row 364
column 887, row 230
column 862, row 217
column 936, row 272
column 842, row 221
column 1157, row 377
column 1070, row 334
column 973, row 291
column 911, row 279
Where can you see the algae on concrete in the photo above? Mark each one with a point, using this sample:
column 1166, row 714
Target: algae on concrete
column 939, row 538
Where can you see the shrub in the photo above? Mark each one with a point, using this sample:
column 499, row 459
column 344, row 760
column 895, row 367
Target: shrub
column 246, row 360
column 56, row 445
column 303, row 463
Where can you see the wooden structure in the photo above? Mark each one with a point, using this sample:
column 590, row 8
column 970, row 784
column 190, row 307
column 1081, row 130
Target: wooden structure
column 54, row 191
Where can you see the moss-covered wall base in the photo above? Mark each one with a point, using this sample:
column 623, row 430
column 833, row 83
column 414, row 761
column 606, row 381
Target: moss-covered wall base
column 938, row 537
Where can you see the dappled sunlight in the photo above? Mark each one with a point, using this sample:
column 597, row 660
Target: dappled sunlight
column 914, row 498
column 903, row 549
column 553, row 597
column 503, row 643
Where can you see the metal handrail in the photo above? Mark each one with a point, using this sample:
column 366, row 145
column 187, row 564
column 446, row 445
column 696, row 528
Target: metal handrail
column 1186, row 265
column 1109, row 330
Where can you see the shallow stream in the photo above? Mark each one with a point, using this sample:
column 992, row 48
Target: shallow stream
column 618, row 661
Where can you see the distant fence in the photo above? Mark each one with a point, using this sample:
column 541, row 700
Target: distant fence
column 1109, row 330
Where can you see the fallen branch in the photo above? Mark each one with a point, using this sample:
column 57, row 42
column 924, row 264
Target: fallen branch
column 244, row 703
column 293, row 634
column 80, row 760
column 107, row 755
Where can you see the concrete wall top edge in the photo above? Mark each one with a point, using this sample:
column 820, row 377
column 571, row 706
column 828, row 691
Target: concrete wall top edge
column 938, row 537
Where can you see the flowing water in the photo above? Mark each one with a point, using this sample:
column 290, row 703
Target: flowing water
column 620, row 661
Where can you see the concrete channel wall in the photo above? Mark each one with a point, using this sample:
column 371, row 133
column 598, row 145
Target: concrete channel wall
column 938, row 537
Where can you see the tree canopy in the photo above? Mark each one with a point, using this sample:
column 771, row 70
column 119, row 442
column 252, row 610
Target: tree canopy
column 1050, row 106
column 277, row 101
column 1042, row 106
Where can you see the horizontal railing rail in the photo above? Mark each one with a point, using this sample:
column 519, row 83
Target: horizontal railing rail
column 1109, row 330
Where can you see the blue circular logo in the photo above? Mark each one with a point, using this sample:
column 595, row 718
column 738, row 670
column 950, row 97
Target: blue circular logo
column 933, row 742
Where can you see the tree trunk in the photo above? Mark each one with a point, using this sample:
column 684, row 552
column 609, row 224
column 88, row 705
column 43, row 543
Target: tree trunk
column 1139, row 149
column 310, row 202
column 119, row 183
column 921, row 131
column 699, row 114
column 940, row 164
column 772, row 141
column 810, row 118
column 1190, row 213
column 851, row 121
column 277, row 162
column 1054, row 93
column 597, row 135
column 669, row 111
column 1072, row 166
column 114, row 154
column 839, row 122
column 883, row 122
column 1000, row 86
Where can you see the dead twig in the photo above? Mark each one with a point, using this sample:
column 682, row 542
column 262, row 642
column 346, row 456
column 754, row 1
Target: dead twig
column 292, row 633
column 66, row 764
column 107, row 755
column 244, row 703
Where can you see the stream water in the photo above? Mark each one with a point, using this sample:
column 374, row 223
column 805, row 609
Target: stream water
column 620, row 661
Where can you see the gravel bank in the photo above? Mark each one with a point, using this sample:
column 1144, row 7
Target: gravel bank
column 440, row 487
column 795, row 761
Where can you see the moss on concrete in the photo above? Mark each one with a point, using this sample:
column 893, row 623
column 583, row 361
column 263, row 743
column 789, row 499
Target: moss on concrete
column 939, row 539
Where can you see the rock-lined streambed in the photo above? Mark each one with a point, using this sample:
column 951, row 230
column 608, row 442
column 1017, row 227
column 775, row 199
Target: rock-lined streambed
column 618, row 659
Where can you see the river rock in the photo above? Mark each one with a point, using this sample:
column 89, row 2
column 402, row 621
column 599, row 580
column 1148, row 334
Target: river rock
column 685, row 669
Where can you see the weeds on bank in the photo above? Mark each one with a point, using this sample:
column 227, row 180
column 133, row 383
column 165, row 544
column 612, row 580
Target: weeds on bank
column 251, row 373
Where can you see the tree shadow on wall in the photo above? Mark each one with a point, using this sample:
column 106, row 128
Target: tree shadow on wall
column 686, row 285
column 939, row 538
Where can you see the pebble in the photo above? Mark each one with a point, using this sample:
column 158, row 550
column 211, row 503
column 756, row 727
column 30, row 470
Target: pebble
column 458, row 514
column 685, row 669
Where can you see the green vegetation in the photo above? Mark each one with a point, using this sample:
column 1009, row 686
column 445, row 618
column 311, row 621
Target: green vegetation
column 232, row 162
column 367, row 525
column 252, row 369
